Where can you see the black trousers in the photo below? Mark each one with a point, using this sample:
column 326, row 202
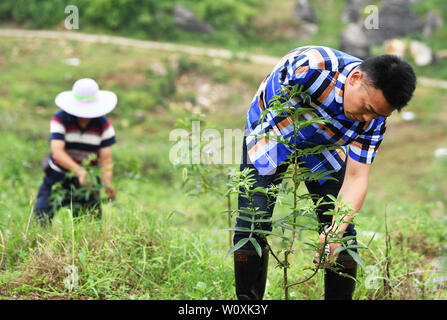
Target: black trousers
column 267, row 204
column 46, row 205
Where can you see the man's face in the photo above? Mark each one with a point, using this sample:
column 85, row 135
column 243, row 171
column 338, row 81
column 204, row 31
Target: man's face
column 363, row 102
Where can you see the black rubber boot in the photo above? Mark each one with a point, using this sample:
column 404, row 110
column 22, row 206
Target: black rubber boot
column 250, row 272
column 339, row 287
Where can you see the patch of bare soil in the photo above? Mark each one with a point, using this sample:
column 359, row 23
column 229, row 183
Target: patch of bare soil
column 210, row 96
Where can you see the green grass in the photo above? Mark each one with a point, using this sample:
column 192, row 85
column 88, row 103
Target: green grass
column 155, row 241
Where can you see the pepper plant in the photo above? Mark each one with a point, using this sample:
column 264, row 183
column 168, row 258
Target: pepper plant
column 302, row 213
column 91, row 188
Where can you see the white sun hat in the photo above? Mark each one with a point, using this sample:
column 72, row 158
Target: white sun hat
column 86, row 100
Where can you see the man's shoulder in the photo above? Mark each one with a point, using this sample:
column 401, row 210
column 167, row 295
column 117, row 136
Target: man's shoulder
column 102, row 120
column 323, row 58
column 62, row 116
column 103, row 123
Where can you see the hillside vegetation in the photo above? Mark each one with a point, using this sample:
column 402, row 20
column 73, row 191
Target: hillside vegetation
column 159, row 240
column 156, row 242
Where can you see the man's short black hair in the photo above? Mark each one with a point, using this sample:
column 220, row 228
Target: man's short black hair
column 393, row 76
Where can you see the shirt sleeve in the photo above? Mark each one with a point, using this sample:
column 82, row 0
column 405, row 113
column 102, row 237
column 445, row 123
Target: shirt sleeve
column 57, row 128
column 363, row 149
column 108, row 135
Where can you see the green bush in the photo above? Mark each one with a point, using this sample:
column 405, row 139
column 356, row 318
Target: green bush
column 36, row 14
column 148, row 18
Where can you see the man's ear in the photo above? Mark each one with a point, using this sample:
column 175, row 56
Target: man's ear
column 355, row 77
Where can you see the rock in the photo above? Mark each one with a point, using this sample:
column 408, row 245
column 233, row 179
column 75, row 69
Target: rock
column 441, row 54
column 305, row 12
column 396, row 19
column 440, row 152
column 421, row 53
column 354, row 42
column 203, row 101
column 352, row 12
column 158, row 69
column 408, row 116
column 185, row 19
column 433, row 22
column 395, row 46
column 72, row 62
column 140, row 115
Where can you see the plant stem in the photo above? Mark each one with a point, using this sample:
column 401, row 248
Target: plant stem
column 276, row 258
column 386, row 280
column 296, row 184
column 230, row 234
column 285, row 266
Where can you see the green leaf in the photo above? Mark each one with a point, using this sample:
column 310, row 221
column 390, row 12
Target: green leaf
column 260, row 189
column 238, row 245
column 259, row 231
column 313, row 245
column 347, row 238
column 244, row 218
column 356, row 246
column 256, row 245
column 338, row 250
column 171, row 214
column 356, row 258
column 370, row 240
column 185, row 174
column 262, row 220
column 241, row 229
column 282, row 225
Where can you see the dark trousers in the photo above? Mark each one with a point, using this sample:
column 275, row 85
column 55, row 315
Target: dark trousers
column 46, row 205
column 267, row 204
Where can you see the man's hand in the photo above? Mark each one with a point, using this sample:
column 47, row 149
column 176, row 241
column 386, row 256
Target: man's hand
column 81, row 173
column 111, row 193
column 64, row 160
column 352, row 191
column 327, row 250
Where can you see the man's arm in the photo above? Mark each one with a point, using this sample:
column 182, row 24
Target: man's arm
column 353, row 191
column 354, row 188
column 64, row 160
column 106, row 164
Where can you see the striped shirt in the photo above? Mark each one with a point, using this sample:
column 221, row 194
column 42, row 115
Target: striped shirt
column 323, row 72
column 80, row 143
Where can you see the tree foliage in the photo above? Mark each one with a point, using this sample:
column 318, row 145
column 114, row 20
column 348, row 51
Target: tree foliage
column 144, row 18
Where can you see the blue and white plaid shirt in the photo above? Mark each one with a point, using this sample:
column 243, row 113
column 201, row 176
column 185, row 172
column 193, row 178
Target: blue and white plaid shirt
column 323, row 72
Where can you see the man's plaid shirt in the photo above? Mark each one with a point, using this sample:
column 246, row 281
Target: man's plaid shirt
column 323, row 72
